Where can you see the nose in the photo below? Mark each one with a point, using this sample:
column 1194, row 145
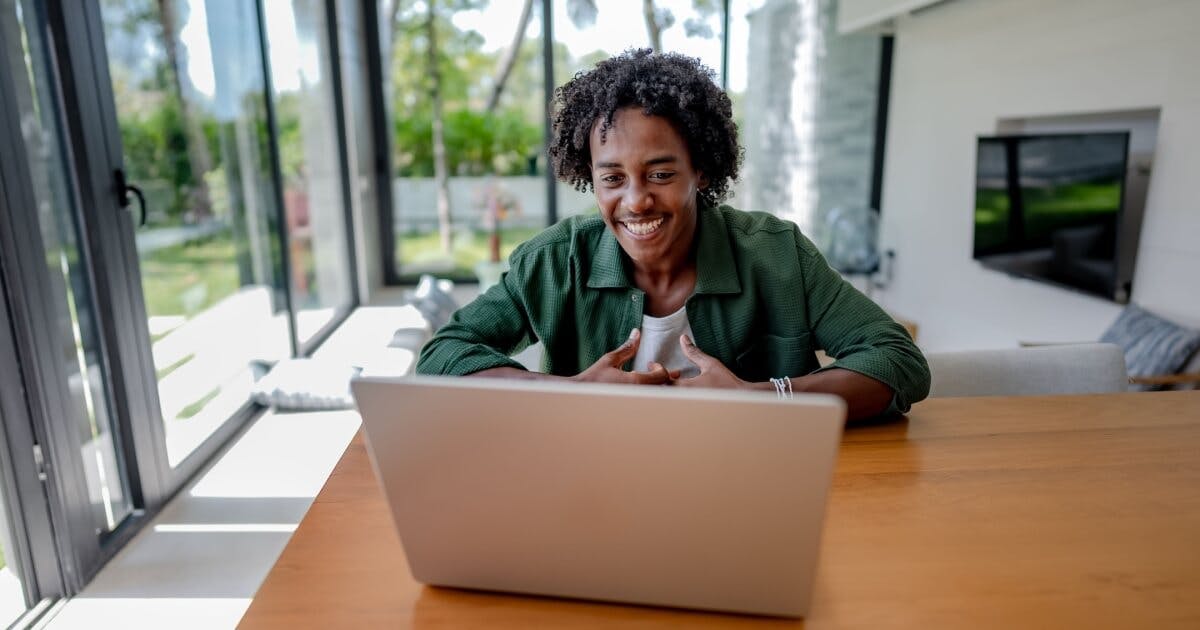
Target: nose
column 637, row 198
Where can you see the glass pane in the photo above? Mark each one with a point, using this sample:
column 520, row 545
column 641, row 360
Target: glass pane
column 469, row 165
column 191, row 102
column 312, row 181
column 79, row 353
column 360, row 139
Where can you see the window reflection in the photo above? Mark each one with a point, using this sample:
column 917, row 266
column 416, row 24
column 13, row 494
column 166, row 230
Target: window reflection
column 191, row 103
column 301, row 75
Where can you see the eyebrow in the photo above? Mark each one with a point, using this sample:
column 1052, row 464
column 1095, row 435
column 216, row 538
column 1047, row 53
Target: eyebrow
column 662, row 159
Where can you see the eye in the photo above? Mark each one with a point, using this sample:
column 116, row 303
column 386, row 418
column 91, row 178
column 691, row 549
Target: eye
column 662, row 175
column 611, row 178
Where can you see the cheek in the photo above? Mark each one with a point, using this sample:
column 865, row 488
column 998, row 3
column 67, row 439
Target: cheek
column 607, row 202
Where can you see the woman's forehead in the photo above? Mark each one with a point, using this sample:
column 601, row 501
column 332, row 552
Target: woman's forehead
column 632, row 128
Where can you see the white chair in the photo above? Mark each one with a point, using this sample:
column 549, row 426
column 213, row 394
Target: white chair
column 1091, row 368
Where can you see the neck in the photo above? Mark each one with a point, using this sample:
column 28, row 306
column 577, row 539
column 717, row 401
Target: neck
column 668, row 282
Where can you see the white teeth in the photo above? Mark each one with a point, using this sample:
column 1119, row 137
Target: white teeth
column 644, row 227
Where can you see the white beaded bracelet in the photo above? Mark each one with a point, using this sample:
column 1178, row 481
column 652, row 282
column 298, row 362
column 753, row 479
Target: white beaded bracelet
column 783, row 387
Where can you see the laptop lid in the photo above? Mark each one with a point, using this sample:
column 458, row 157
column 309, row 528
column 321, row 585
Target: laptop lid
column 708, row 499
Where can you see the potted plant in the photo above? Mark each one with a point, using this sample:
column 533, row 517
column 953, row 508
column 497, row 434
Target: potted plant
column 497, row 204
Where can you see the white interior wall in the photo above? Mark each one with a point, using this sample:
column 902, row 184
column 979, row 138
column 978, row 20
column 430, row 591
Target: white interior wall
column 962, row 66
column 854, row 15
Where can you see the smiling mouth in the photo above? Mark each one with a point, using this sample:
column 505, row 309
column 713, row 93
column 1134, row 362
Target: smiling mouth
column 643, row 228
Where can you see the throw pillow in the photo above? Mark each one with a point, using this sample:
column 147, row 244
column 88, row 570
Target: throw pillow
column 1153, row 346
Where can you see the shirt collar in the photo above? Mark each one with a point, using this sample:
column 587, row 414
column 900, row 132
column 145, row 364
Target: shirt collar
column 716, row 271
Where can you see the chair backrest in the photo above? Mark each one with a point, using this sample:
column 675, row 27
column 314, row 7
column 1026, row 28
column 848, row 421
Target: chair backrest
column 1090, row 368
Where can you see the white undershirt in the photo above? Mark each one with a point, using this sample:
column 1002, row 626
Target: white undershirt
column 660, row 343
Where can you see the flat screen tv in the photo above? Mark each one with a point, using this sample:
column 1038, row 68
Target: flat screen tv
column 1052, row 208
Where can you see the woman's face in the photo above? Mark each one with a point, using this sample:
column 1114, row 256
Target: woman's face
column 646, row 186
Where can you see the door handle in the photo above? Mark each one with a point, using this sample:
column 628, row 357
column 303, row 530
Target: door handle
column 123, row 189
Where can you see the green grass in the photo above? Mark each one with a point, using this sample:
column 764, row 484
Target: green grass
column 1050, row 209
column 186, row 279
column 991, row 219
column 1045, row 210
column 422, row 252
column 1074, row 198
column 197, row 406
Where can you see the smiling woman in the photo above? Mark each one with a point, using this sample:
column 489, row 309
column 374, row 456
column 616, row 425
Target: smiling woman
column 665, row 286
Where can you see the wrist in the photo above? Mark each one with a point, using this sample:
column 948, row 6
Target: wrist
column 782, row 386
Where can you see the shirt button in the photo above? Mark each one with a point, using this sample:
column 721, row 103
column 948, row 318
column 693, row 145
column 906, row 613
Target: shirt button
column 634, row 297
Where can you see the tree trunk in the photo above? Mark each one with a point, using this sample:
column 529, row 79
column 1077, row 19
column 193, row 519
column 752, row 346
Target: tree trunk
column 440, row 176
column 197, row 144
column 651, row 16
column 510, row 57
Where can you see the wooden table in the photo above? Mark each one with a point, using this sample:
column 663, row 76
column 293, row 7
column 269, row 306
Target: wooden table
column 1048, row 512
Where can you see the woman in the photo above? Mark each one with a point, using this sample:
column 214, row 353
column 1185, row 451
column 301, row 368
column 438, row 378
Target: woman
column 666, row 286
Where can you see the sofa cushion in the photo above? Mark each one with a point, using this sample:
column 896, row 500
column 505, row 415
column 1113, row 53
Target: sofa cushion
column 1153, row 346
column 1191, row 367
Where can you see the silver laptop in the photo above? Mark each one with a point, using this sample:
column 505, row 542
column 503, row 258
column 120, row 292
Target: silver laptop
column 705, row 499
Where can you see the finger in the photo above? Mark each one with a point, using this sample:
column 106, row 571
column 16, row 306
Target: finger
column 656, row 376
column 627, row 350
column 696, row 355
column 671, row 374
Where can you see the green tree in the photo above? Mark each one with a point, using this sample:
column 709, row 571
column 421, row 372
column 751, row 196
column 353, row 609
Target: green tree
column 432, row 65
column 167, row 139
column 510, row 55
column 197, row 145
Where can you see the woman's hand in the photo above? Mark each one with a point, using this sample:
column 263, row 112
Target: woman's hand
column 713, row 373
column 608, row 368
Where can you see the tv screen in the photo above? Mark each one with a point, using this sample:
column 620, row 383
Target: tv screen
column 1049, row 207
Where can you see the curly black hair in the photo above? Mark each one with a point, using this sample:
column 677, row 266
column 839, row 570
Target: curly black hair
column 676, row 87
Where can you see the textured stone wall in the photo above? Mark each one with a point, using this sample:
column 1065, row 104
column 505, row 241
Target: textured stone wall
column 809, row 113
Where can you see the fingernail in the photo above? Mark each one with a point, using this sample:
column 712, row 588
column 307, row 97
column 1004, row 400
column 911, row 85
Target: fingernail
column 688, row 340
column 633, row 333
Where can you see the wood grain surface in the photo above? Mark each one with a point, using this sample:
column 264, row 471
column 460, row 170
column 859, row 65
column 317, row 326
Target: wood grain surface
column 1036, row 512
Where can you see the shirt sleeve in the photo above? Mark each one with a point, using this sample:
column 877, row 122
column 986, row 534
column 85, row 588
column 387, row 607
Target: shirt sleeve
column 858, row 333
column 483, row 334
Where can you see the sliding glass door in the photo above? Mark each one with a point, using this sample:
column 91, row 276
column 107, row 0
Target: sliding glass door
column 173, row 223
column 190, row 93
column 61, row 423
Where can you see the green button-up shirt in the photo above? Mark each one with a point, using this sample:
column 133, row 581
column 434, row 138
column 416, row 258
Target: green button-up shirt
column 765, row 301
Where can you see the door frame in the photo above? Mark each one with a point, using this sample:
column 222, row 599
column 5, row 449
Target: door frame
column 33, row 554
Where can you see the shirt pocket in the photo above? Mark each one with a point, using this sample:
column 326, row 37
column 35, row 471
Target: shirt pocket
column 771, row 356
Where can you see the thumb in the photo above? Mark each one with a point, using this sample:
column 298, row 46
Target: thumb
column 696, row 355
column 627, row 350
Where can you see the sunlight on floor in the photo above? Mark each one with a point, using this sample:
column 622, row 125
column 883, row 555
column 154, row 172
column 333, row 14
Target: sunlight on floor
column 201, row 561
column 12, row 600
column 167, row 612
